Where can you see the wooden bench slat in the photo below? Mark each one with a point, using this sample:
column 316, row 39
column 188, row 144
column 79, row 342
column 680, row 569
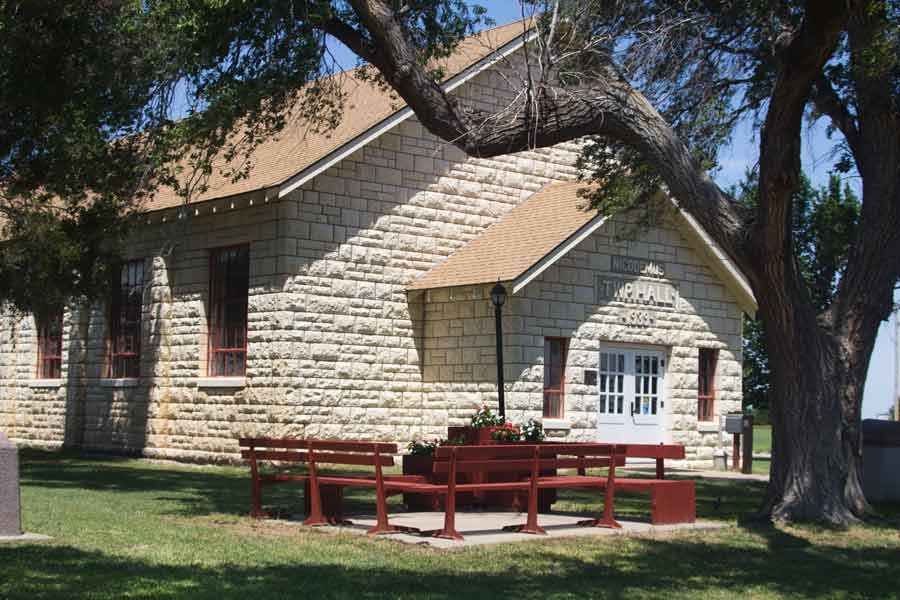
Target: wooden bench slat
column 581, row 449
column 335, row 458
column 354, row 446
column 486, row 465
column 336, row 445
column 569, row 482
column 346, row 458
column 470, row 466
column 493, row 451
column 494, row 486
column 283, row 455
column 279, row 477
column 272, row 443
column 674, row 451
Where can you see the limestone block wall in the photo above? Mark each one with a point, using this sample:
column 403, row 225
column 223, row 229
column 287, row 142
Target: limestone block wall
column 563, row 302
column 30, row 408
column 334, row 344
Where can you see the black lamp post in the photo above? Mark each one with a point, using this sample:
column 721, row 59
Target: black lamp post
column 498, row 297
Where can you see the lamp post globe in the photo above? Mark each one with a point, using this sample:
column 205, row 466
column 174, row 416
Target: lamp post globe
column 498, row 295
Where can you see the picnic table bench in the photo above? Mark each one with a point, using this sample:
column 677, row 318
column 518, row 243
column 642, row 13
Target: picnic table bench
column 671, row 500
column 313, row 453
column 532, row 458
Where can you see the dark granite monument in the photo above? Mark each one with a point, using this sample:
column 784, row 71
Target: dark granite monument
column 10, row 501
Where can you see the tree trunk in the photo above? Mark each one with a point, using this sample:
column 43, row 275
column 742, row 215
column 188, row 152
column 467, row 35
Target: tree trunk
column 816, row 392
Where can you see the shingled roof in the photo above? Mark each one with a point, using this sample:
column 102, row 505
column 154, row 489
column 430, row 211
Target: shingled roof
column 536, row 233
column 297, row 148
column 520, row 240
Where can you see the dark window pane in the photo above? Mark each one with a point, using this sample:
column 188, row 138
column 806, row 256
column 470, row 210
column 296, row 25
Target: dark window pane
column 554, row 376
column 125, row 321
column 228, row 291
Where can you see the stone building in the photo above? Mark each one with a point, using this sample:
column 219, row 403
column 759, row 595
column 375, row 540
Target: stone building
column 342, row 290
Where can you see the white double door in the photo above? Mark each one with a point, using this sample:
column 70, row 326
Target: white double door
column 631, row 395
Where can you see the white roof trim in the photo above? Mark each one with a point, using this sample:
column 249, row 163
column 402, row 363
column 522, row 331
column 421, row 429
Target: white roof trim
column 398, row 117
column 735, row 280
column 561, row 250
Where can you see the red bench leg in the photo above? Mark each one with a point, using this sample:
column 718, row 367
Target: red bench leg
column 449, row 531
column 256, row 510
column 607, row 520
column 531, row 525
column 382, row 525
column 316, row 517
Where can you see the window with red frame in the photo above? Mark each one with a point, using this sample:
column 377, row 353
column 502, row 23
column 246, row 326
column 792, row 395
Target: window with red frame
column 706, row 396
column 50, row 346
column 125, row 321
column 229, row 282
column 555, row 350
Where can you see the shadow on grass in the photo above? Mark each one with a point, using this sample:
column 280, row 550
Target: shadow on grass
column 785, row 565
column 226, row 490
column 195, row 491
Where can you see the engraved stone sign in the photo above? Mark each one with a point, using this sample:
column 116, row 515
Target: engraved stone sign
column 652, row 294
column 10, row 512
column 637, row 266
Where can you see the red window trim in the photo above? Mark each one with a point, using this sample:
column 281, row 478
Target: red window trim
column 706, row 403
column 125, row 363
column 215, row 368
column 50, row 347
column 561, row 390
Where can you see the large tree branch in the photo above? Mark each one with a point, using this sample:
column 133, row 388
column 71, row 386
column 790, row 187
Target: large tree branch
column 826, row 101
column 801, row 55
column 607, row 105
column 865, row 294
column 351, row 38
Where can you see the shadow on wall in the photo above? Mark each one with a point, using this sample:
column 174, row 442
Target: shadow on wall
column 315, row 254
column 112, row 418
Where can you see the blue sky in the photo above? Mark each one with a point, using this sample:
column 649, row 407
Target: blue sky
column 735, row 159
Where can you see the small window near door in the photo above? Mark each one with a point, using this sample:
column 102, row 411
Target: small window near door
column 706, row 396
column 50, row 346
column 228, row 290
column 555, row 350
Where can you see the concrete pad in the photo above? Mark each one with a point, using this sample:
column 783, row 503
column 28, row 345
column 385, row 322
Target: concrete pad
column 699, row 474
column 485, row 528
column 25, row 537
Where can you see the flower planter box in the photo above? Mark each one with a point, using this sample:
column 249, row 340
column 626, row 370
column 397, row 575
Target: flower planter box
column 420, row 465
column 481, row 436
column 424, row 466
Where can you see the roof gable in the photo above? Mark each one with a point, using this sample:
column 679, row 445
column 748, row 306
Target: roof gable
column 297, row 154
column 511, row 247
column 540, row 231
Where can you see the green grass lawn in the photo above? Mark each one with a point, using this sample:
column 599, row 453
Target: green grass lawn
column 762, row 438
column 135, row 529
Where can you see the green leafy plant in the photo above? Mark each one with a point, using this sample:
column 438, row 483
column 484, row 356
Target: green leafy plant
column 507, row 432
column 484, row 417
column 424, row 447
column 532, row 431
column 453, row 442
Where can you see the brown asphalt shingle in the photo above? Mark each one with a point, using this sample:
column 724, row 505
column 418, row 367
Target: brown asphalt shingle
column 366, row 105
column 511, row 246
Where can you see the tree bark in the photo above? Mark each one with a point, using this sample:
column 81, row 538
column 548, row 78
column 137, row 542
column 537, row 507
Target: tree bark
column 818, row 361
column 816, row 382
